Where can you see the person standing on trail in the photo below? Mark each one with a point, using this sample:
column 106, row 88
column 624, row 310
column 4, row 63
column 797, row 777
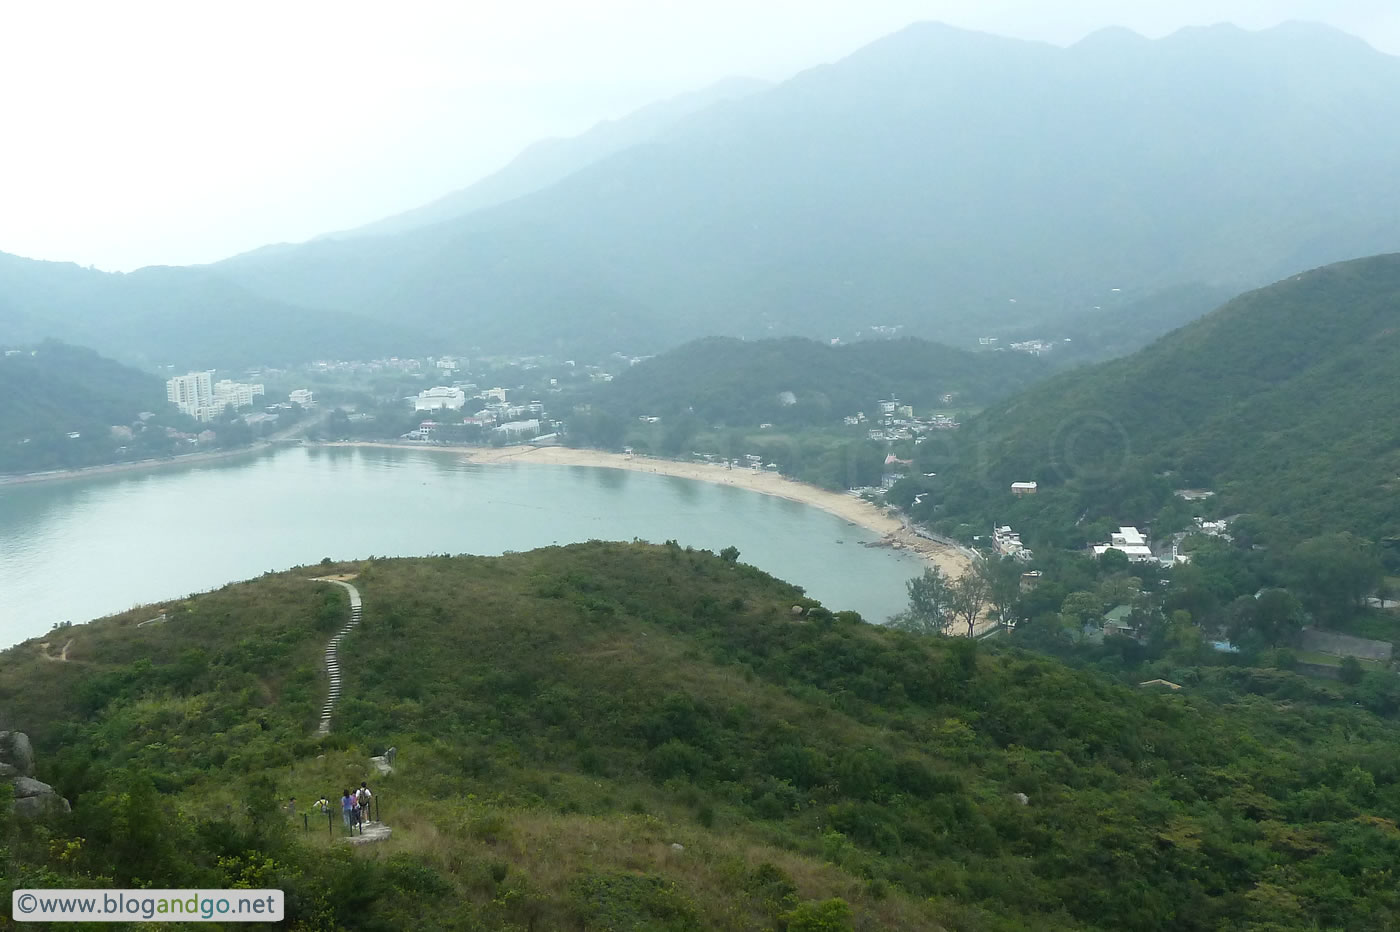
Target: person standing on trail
column 363, row 797
column 347, row 810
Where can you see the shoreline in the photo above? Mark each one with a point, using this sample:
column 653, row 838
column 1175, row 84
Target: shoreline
column 892, row 531
column 104, row 469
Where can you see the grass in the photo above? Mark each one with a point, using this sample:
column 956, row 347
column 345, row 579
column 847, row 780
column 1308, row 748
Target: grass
column 1331, row 660
column 1375, row 624
column 497, row 850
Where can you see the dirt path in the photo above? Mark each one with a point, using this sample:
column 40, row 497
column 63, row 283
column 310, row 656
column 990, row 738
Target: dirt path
column 62, row 655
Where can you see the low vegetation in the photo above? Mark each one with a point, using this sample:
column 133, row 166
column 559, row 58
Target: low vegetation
column 567, row 717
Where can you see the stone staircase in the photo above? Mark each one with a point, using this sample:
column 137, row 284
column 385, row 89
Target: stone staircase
column 333, row 657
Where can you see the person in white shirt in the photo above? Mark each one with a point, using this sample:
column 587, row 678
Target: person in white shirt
column 363, row 797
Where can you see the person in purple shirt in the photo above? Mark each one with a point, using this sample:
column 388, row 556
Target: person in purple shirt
column 347, row 809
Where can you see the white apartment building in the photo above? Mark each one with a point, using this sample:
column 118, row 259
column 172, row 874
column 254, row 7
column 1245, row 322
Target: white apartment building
column 197, row 395
column 190, row 392
column 303, row 397
column 439, row 398
column 233, row 394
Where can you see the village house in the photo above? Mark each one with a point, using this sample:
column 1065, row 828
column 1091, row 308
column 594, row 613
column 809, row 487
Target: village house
column 1130, row 541
column 1024, row 488
column 1007, row 543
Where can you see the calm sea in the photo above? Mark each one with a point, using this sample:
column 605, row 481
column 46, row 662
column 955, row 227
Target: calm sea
column 77, row 550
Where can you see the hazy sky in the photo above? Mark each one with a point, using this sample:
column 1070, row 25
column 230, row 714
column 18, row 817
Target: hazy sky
column 139, row 132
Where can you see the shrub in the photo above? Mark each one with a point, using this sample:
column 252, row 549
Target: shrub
column 619, row 900
column 833, row 915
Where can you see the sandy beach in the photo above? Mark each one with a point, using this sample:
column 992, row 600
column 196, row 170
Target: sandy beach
column 842, row 505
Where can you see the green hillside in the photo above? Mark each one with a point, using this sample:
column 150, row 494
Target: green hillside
column 1286, row 402
column 53, row 389
column 955, row 183
column 565, row 718
column 727, row 381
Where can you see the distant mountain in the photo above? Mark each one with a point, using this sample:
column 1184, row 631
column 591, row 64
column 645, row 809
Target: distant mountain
column 1286, row 402
column 181, row 316
column 955, row 183
column 552, row 160
column 743, row 383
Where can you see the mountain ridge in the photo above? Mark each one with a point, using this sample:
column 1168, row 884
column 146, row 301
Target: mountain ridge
column 928, row 189
column 544, row 162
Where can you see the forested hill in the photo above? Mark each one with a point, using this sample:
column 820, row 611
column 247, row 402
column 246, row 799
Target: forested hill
column 1286, row 402
column 956, row 183
column 52, row 390
column 742, row 382
column 629, row 736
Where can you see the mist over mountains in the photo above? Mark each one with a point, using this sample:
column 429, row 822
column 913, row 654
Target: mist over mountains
column 949, row 183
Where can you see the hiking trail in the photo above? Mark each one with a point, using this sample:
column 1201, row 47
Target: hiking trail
column 332, row 655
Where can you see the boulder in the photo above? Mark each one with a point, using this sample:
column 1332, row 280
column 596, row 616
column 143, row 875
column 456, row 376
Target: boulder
column 16, row 751
column 38, row 805
column 31, row 796
column 28, row 786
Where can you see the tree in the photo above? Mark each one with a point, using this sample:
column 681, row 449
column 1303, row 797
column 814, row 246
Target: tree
column 969, row 597
column 1081, row 607
column 1335, row 572
column 1114, row 561
column 930, row 604
column 1351, row 671
column 1278, row 616
column 729, row 554
column 1003, row 581
column 1185, row 642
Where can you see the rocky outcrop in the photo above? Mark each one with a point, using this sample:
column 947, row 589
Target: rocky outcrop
column 16, row 751
column 32, row 797
column 385, row 762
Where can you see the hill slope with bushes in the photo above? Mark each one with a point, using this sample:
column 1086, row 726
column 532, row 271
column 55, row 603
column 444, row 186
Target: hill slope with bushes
column 1285, row 401
column 724, row 380
column 565, row 718
column 53, row 390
